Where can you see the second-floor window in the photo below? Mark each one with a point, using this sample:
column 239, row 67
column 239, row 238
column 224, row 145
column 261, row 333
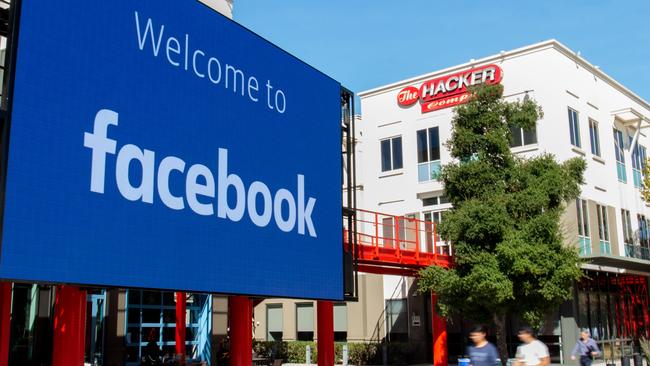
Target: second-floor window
column 594, row 138
column 619, row 148
column 522, row 136
column 638, row 162
column 643, row 230
column 584, row 241
column 428, row 142
column 603, row 229
column 391, row 154
column 436, row 245
column 628, row 236
column 574, row 127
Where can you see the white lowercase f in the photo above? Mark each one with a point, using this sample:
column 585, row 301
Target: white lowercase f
column 100, row 145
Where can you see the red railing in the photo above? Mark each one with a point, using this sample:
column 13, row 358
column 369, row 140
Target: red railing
column 390, row 244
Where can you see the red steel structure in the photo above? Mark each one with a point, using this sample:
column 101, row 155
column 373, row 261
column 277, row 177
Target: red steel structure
column 389, row 244
column 399, row 245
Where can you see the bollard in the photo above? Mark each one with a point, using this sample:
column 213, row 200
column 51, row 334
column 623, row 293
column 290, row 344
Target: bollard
column 345, row 355
column 625, row 360
column 308, row 355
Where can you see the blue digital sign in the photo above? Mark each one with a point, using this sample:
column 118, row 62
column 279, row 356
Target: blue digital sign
column 158, row 144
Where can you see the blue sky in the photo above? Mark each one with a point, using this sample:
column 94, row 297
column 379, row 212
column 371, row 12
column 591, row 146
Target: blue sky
column 365, row 43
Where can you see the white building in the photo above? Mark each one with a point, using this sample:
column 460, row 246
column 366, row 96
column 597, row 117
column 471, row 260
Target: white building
column 586, row 114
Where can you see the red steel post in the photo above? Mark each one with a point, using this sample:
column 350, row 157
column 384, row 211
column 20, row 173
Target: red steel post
column 241, row 331
column 439, row 329
column 325, row 323
column 68, row 342
column 181, row 308
column 5, row 320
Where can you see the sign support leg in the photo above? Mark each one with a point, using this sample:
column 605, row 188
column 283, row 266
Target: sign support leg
column 181, row 307
column 325, row 320
column 5, row 320
column 439, row 328
column 68, row 343
column 241, row 331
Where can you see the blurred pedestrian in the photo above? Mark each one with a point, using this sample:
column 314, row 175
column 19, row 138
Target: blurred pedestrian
column 531, row 352
column 482, row 352
column 586, row 348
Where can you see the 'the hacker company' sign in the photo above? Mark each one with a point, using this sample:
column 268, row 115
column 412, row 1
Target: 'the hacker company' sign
column 450, row 90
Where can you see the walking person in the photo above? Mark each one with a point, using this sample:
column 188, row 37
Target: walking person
column 531, row 352
column 482, row 352
column 586, row 348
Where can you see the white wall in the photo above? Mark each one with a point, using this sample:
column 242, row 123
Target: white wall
column 222, row 6
column 556, row 81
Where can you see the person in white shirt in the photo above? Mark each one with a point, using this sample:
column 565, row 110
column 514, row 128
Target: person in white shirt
column 531, row 352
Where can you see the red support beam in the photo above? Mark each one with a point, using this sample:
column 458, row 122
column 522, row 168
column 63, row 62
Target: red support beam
column 325, row 324
column 439, row 328
column 5, row 321
column 181, row 308
column 241, row 331
column 68, row 343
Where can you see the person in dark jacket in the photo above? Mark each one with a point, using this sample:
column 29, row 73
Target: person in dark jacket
column 586, row 348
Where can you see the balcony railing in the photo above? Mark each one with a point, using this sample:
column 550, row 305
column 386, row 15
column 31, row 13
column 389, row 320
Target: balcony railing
column 637, row 251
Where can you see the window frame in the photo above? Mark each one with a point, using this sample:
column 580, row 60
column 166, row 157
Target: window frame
column 268, row 331
column 628, row 235
column 426, row 165
column 299, row 333
column 574, row 127
column 393, row 158
column 603, row 229
column 594, row 137
column 639, row 155
column 619, row 152
column 521, row 132
column 584, row 239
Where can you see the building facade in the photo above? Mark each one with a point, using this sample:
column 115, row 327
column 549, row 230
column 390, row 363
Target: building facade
column 400, row 148
column 586, row 114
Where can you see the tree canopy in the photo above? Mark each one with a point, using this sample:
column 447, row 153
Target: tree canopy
column 505, row 224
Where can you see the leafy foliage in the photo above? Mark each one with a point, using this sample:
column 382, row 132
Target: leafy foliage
column 645, row 189
column 510, row 256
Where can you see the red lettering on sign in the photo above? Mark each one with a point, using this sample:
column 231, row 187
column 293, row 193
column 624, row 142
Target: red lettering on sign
column 408, row 96
column 449, row 90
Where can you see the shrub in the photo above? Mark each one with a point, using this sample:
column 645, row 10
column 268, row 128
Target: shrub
column 363, row 353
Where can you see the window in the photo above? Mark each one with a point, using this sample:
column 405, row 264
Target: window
column 643, row 235
column 340, row 322
column 584, row 241
column 428, row 142
column 619, row 148
column 574, row 127
column 305, row 321
column 432, row 219
column 388, row 229
column 603, row 230
column 391, row 154
column 396, row 320
column 151, row 316
column 435, row 200
column 638, row 162
column 274, row 324
column 594, row 138
column 628, row 237
column 522, row 136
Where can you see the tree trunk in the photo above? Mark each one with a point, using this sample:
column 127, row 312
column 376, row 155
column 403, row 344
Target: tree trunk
column 502, row 343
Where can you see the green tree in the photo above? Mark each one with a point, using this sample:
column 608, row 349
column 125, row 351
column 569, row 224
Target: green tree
column 510, row 257
column 645, row 190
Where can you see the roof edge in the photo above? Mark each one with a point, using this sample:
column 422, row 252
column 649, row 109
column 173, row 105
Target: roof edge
column 551, row 43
